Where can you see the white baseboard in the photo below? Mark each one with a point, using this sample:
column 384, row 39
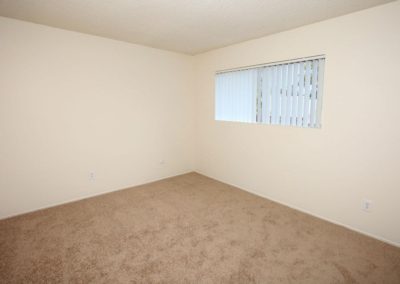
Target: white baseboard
column 199, row 172
column 91, row 195
column 307, row 212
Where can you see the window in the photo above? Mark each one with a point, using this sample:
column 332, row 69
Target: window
column 285, row 93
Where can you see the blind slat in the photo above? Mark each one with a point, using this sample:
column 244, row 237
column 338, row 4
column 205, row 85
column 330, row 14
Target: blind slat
column 321, row 67
column 307, row 95
column 284, row 94
column 301, row 96
column 289, row 90
column 269, row 84
column 296, row 80
column 274, row 92
column 313, row 93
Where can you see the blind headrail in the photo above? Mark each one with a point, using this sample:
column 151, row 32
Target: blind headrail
column 282, row 62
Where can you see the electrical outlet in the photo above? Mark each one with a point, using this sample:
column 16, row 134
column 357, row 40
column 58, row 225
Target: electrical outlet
column 367, row 205
column 92, row 176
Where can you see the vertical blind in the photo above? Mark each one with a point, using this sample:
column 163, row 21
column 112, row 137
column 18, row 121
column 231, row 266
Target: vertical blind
column 236, row 96
column 287, row 93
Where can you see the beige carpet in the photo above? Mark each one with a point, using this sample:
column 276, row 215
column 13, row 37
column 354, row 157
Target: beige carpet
column 187, row 229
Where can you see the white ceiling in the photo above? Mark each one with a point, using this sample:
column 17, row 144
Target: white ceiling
column 188, row 26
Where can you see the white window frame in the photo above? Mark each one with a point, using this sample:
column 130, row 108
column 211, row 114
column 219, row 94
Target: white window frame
column 287, row 92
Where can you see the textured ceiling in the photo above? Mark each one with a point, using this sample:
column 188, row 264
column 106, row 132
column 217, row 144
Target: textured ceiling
column 188, row 26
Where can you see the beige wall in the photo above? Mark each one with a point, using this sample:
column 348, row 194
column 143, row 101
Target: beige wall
column 72, row 103
column 355, row 155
